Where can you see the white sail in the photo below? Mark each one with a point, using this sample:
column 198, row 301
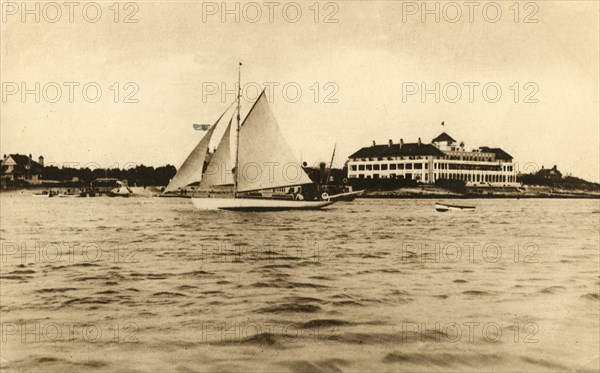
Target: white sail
column 265, row 159
column 191, row 170
column 219, row 169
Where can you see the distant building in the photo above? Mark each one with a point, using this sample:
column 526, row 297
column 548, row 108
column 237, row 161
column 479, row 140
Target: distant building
column 549, row 173
column 444, row 158
column 18, row 168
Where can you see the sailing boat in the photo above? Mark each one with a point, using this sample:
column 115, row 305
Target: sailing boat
column 265, row 174
column 339, row 192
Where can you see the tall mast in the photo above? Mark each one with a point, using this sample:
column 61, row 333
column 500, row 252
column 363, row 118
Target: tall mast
column 330, row 164
column 237, row 137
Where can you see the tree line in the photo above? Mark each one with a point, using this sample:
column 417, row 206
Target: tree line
column 139, row 176
column 568, row 182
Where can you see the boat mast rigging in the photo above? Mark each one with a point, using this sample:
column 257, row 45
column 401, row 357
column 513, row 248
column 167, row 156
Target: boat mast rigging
column 237, row 137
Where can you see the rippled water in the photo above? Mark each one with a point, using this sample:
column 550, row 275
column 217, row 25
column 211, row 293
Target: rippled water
column 150, row 284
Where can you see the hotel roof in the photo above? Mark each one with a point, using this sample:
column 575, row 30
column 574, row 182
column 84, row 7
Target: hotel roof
column 500, row 154
column 395, row 150
column 443, row 137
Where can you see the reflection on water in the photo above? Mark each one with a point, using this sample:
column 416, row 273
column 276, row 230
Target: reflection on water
column 150, row 284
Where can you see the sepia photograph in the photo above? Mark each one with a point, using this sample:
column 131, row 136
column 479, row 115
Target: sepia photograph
column 299, row 186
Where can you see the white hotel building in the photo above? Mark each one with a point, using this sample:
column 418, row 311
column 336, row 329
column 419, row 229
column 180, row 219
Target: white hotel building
column 444, row 158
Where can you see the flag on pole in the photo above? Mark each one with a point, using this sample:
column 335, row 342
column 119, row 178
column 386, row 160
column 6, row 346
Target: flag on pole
column 202, row 127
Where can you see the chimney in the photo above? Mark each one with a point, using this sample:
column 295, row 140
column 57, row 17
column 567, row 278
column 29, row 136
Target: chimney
column 373, row 142
column 41, row 160
column 554, row 168
column 322, row 172
column 401, row 142
column 390, row 143
column 419, row 141
column 30, row 157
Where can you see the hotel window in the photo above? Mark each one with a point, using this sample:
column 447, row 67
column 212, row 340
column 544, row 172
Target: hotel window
column 376, row 167
column 375, row 176
column 384, row 167
column 418, row 166
column 361, row 176
column 361, row 167
column 354, row 167
column 426, row 166
column 369, row 167
column 409, row 166
column 392, row 166
column 400, row 166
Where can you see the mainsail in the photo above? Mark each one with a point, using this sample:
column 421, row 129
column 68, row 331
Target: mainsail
column 265, row 160
column 191, row 170
column 219, row 169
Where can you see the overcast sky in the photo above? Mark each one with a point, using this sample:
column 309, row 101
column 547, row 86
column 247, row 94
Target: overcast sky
column 372, row 56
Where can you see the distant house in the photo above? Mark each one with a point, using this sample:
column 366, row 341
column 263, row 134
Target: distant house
column 549, row 173
column 17, row 169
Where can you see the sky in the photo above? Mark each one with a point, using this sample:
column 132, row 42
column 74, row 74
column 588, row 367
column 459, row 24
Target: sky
column 360, row 67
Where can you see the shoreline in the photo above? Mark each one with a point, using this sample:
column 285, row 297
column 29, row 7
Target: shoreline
column 404, row 193
column 476, row 196
column 480, row 193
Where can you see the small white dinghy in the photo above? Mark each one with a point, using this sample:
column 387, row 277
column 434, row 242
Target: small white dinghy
column 443, row 207
column 121, row 191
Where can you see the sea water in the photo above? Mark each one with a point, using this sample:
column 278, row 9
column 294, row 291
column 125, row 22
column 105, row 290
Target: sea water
column 152, row 284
